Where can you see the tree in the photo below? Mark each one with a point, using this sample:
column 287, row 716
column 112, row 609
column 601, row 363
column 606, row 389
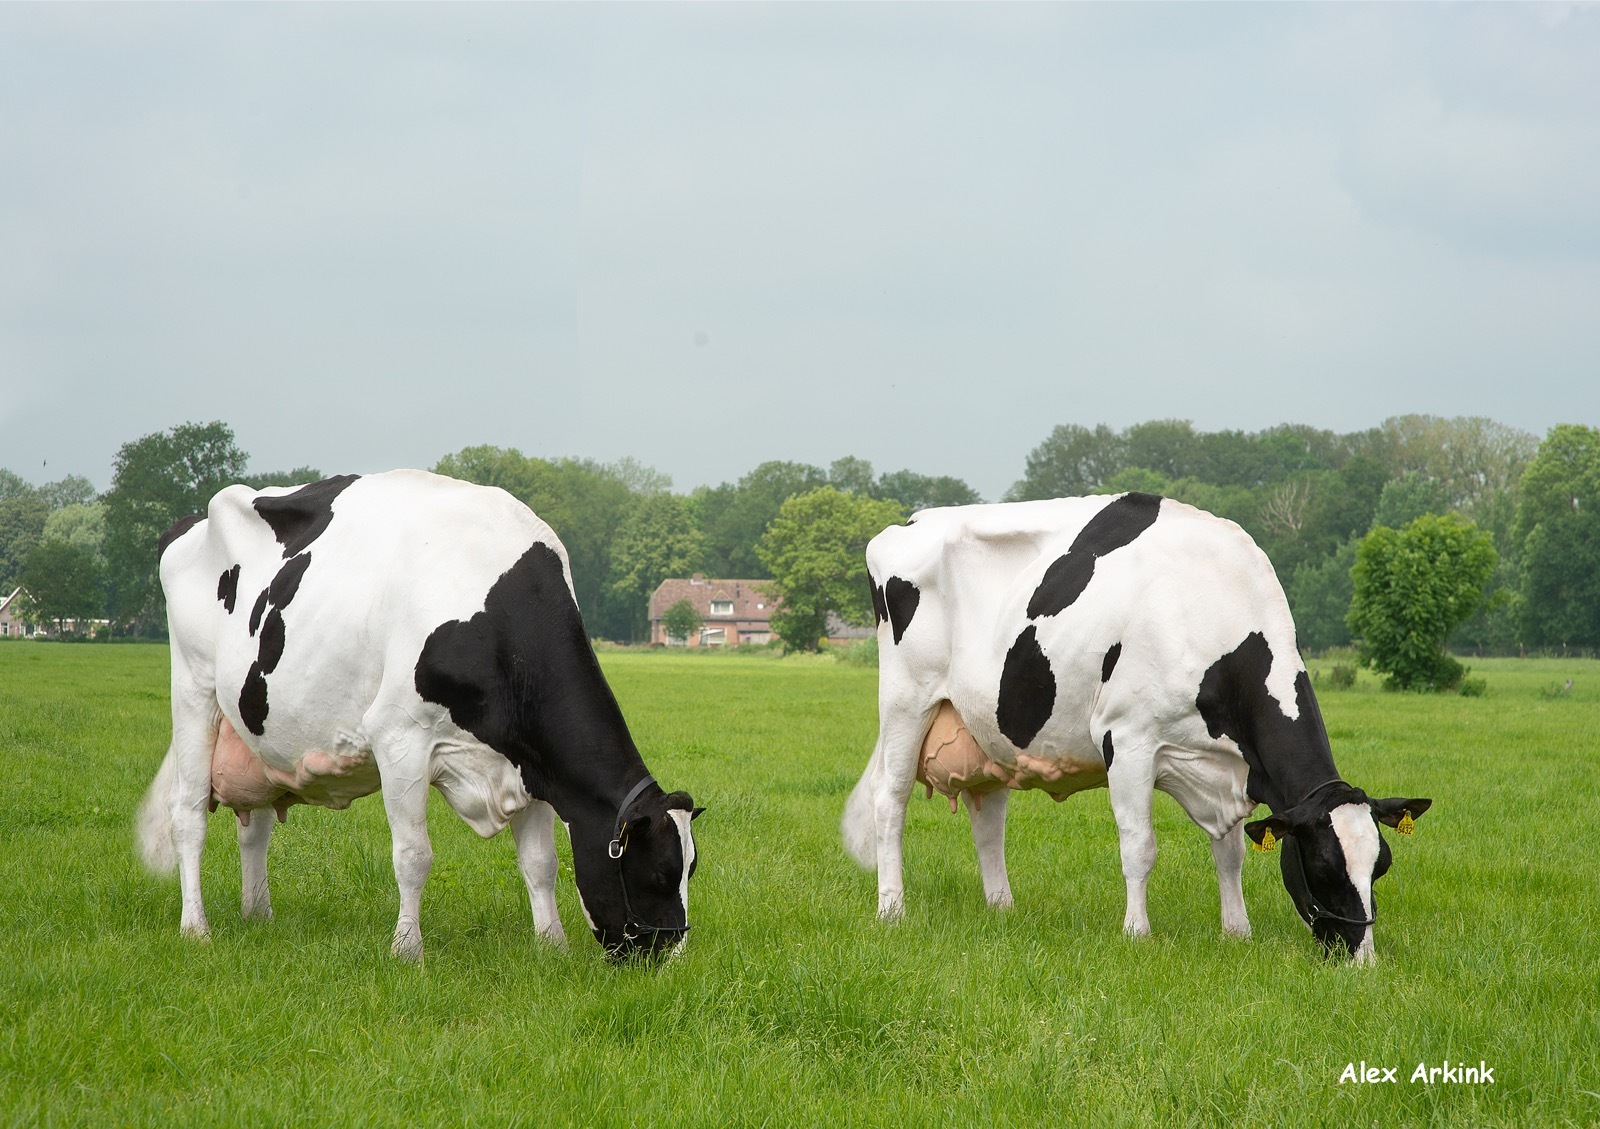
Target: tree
column 1319, row 596
column 657, row 540
column 1411, row 588
column 64, row 581
column 157, row 479
column 815, row 550
column 681, row 620
column 921, row 491
column 299, row 476
column 73, row 490
column 1558, row 529
column 22, row 518
column 1072, row 461
column 1408, row 497
column 13, row 485
column 850, row 475
column 733, row 516
column 83, row 525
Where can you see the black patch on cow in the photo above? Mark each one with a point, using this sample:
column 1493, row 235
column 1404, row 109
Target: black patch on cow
column 176, row 530
column 520, row 667
column 1116, row 525
column 256, row 612
column 1064, row 581
column 880, row 610
column 253, row 701
column 269, row 649
column 287, row 582
column 272, row 640
column 1109, row 663
column 228, row 588
column 1287, row 756
column 901, row 597
column 1106, row 751
column 298, row 518
column 1027, row 690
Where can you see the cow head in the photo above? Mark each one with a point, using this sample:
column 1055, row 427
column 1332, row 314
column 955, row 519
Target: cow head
column 634, row 880
column 1332, row 854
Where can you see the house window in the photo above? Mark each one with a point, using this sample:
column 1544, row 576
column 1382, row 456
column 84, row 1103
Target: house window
column 721, row 607
column 713, row 636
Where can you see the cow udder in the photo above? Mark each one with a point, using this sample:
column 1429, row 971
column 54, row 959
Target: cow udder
column 244, row 782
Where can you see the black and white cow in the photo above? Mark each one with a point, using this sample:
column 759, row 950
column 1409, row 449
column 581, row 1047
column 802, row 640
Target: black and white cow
column 1129, row 642
column 392, row 632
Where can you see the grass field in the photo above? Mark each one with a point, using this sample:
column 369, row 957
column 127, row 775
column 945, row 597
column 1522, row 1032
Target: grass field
column 792, row 1005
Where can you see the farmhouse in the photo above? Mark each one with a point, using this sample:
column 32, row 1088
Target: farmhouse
column 10, row 615
column 731, row 612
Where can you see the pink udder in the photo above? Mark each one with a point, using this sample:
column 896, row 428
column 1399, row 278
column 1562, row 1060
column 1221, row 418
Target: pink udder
column 951, row 761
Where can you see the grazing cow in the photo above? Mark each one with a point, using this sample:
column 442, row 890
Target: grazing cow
column 1129, row 642
column 391, row 632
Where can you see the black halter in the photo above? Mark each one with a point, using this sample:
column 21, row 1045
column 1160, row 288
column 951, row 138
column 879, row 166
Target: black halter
column 1291, row 854
column 632, row 927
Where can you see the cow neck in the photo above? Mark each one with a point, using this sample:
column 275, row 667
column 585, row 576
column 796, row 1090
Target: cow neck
column 1297, row 760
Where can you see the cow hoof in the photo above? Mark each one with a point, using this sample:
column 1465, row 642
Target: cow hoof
column 891, row 909
column 407, row 946
column 1001, row 902
column 1135, row 930
column 555, row 938
column 256, row 913
column 1240, row 932
column 197, row 932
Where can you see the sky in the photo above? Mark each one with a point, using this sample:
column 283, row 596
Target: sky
column 704, row 236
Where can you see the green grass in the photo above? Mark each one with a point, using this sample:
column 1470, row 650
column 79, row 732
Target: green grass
column 792, row 1005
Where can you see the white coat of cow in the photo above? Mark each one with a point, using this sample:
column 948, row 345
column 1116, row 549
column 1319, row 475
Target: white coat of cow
column 403, row 631
column 1128, row 642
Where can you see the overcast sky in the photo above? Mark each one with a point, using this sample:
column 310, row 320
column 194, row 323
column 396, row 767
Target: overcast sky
column 706, row 236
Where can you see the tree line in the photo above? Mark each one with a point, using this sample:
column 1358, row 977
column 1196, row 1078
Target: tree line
column 1311, row 498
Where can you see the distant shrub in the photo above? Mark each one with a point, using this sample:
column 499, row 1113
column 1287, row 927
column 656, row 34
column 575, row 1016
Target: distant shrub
column 1556, row 690
column 1474, row 687
column 1342, row 677
column 862, row 653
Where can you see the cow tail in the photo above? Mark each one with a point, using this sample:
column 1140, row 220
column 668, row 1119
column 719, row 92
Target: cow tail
column 860, row 825
column 153, row 824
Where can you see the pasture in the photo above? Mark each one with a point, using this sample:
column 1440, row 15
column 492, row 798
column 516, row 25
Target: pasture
column 792, row 1005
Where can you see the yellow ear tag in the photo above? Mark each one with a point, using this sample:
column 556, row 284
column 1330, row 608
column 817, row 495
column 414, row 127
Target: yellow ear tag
column 1268, row 843
column 1406, row 825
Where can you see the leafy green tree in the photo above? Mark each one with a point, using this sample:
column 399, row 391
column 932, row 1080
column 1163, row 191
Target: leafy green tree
column 1072, row 461
column 156, row 480
column 1408, row 497
column 13, row 485
column 658, row 540
column 81, row 524
column 22, row 518
column 850, row 475
column 815, row 550
column 733, row 516
column 73, row 490
column 1412, row 587
column 921, row 491
column 1558, row 528
column 1319, row 595
column 681, row 620
column 64, row 581
column 299, row 476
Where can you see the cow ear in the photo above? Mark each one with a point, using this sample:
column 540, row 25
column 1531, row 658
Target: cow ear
column 1257, row 829
column 695, row 813
column 1391, row 811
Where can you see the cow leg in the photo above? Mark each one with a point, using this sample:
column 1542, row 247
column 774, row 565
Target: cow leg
column 405, row 802
column 900, row 733
column 194, row 735
column 1228, row 853
column 989, row 836
column 1132, row 799
column 533, row 828
column 254, row 898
